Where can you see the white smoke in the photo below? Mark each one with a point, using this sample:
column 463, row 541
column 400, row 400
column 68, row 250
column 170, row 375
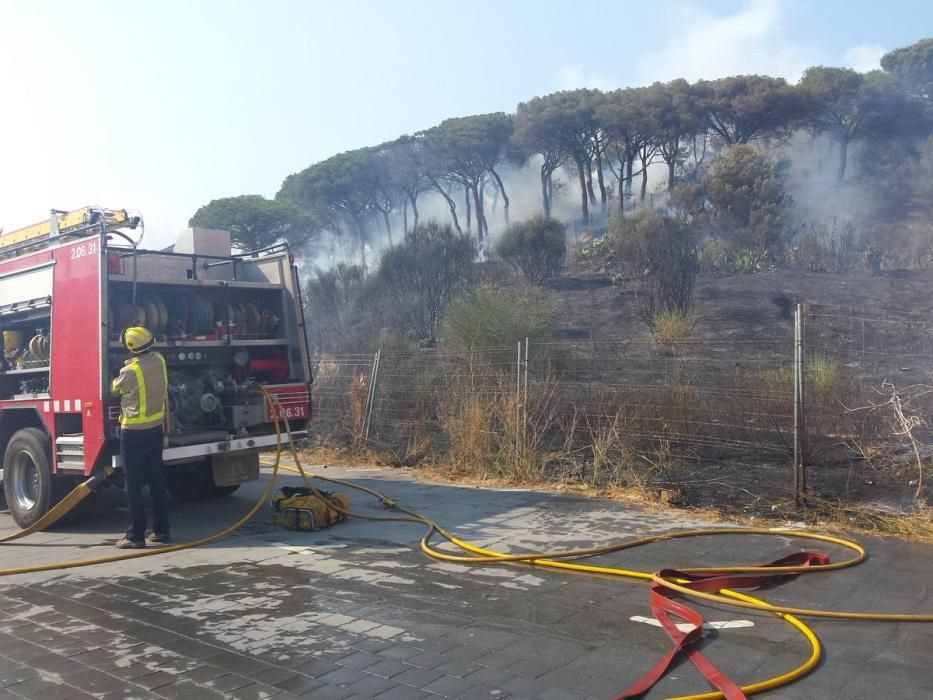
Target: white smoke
column 864, row 58
column 697, row 44
column 701, row 45
column 575, row 77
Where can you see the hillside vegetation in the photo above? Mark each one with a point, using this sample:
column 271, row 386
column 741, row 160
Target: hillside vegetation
column 632, row 324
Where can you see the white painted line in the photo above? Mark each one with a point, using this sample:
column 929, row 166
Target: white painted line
column 293, row 548
column 67, row 405
column 77, row 404
column 45, row 406
column 55, row 405
column 304, row 548
column 687, row 627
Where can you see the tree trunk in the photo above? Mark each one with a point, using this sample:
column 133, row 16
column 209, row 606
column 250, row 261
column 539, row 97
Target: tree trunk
column 361, row 236
column 843, row 160
column 589, row 181
column 602, row 184
column 404, row 217
column 385, row 217
column 621, row 180
column 469, row 208
column 584, row 200
column 505, row 197
column 545, row 196
column 480, row 217
column 644, row 181
column 450, row 203
column 670, row 175
column 414, row 210
column 629, row 166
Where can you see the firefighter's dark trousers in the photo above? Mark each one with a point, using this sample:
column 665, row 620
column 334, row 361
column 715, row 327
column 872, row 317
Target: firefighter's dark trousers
column 141, row 451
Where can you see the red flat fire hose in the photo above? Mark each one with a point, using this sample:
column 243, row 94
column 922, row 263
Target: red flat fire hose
column 663, row 607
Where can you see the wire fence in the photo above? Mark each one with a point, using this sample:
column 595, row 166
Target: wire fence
column 863, row 361
column 704, row 421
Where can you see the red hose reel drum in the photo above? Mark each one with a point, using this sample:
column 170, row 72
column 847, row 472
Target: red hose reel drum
column 273, row 368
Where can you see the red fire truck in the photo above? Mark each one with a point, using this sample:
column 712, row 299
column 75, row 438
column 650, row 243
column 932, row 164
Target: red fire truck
column 224, row 323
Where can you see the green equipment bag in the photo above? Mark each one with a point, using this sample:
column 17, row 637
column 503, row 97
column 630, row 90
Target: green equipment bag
column 299, row 508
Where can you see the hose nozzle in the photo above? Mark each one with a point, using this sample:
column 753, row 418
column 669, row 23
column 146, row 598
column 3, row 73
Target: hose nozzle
column 99, row 481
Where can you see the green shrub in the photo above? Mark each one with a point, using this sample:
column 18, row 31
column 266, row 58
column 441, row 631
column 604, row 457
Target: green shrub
column 599, row 249
column 749, row 204
column 493, row 318
column 537, row 247
column 720, row 256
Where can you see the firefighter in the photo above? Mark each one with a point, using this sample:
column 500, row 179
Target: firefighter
column 142, row 386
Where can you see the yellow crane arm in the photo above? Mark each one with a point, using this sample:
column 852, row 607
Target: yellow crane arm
column 62, row 223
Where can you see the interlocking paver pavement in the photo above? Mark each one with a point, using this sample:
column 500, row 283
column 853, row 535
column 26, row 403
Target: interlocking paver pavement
column 357, row 611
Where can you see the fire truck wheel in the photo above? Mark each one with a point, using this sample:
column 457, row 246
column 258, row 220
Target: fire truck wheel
column 28, row 483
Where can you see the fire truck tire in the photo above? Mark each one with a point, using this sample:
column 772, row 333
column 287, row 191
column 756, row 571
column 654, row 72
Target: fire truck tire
column 29, row 485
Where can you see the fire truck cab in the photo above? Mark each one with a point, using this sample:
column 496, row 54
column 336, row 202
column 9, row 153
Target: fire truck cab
column 224, row 322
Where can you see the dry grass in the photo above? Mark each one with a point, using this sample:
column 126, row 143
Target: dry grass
column 341, row 456
column 915, row 525
column 775, row 381
column 654, row 498
column 464, row 421
column 358, row 392
column 469, row 427
column 845, row 520
column 672, row 328
column 820, row 515
column 822, row 377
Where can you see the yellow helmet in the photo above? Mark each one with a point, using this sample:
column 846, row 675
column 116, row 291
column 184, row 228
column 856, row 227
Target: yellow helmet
column 137, row 339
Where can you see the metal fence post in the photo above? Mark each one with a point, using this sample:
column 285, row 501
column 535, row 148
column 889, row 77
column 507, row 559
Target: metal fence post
column 518, row 394
column 371, row 395
column 800, row 479
column 525, row 400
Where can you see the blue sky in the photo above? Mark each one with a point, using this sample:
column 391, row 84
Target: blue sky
column 163, row 106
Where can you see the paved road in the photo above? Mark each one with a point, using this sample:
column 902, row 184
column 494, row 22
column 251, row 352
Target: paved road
column 358, row 612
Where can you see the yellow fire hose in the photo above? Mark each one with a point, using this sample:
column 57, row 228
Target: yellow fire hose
column 61, row 509
column 545, row 559
column 78, row 494
column 725, row 596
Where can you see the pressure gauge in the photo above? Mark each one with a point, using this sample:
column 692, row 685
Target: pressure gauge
column 241, row 358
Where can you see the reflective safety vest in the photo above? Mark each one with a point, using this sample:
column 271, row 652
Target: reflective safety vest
column 142, row 386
